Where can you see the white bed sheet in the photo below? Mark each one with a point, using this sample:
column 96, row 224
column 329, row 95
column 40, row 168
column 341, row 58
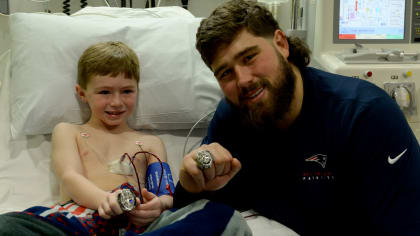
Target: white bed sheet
column 26, row 178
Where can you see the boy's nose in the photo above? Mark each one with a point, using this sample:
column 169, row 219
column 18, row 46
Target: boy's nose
column 116, row 100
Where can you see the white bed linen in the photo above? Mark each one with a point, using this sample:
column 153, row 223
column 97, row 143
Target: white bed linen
column 26, row 178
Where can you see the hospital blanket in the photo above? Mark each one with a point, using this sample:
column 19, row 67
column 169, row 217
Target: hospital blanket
column 79, row 220
column 203, row 217
column 199, row 218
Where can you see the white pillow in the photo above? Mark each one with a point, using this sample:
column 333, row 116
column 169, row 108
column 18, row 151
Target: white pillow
column 168, row 11
column 176, row 87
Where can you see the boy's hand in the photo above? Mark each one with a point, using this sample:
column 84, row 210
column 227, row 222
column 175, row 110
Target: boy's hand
column 146, row 213
column 110, row 207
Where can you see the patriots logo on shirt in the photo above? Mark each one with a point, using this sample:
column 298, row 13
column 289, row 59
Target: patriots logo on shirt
column 318, row 158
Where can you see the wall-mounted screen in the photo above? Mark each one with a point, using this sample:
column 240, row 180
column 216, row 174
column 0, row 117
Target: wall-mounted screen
column 371, row 21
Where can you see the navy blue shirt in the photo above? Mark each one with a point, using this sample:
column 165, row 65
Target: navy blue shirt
column 349, row 164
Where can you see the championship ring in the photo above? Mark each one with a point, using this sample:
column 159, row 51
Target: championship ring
column 204, row 159
column 127, row 200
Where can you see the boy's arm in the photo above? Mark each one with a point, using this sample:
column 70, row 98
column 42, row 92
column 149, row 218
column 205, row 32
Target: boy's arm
column 158, row 148
column 68, row 168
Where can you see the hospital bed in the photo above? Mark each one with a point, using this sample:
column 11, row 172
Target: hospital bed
column 38, row 61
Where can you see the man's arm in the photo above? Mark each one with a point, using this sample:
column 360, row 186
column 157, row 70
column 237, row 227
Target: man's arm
column 388, row 157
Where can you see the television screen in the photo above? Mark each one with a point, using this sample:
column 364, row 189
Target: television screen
column 371, row 21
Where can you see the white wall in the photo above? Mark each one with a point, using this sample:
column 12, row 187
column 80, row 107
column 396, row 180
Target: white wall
column 199, row 8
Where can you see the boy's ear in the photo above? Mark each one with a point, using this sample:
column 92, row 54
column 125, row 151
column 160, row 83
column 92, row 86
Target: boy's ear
column 81, row 93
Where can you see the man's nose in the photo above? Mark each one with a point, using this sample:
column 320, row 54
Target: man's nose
column 244, row 76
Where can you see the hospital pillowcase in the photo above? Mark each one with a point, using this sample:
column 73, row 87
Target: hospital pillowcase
column 176, row 88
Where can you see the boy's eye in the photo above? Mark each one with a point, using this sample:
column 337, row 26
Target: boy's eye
column 104, row 92
column 128, row 91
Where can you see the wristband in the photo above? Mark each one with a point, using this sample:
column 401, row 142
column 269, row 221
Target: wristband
column 153, row 174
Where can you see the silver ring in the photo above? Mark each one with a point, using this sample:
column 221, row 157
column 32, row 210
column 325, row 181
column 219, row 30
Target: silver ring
column 127, row 200
column 204, row 159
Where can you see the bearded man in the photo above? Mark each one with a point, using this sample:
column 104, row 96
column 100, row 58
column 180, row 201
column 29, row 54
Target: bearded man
column 320, row 153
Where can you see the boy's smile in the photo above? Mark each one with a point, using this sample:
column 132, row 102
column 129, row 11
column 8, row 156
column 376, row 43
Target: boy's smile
column 111, row 99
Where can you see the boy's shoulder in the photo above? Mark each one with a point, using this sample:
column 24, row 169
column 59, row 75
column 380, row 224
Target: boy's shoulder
column 66, row 127
column 143, row 137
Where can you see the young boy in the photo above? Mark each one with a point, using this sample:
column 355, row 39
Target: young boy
column 95, row 161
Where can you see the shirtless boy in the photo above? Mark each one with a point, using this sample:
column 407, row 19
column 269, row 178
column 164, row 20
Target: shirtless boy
column 92, row 160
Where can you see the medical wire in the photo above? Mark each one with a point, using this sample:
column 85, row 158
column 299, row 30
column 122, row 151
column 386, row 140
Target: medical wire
column 83, row 3
column 66, row 7
column 192, row 128
column 135, row 170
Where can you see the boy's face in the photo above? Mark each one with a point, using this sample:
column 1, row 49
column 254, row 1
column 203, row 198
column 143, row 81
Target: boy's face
column 111, row 99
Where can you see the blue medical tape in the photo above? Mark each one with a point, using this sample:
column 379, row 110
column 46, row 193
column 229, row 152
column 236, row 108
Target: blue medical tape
column 153, row 174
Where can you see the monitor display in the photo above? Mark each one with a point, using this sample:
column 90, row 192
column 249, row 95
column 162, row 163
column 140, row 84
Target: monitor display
column 371, row 21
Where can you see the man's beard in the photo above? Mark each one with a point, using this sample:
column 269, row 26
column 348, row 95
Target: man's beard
column 280, row 96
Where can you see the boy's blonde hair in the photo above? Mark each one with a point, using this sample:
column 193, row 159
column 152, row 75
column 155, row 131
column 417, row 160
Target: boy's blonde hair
column 107, row 58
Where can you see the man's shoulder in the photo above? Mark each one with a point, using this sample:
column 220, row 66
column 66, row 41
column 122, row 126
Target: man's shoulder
column 225, row 110
column 342, row 88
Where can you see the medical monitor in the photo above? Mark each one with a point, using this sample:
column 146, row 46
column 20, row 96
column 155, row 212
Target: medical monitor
column 371, row 21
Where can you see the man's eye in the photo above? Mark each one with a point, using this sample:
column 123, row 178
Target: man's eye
column 249, row 58
column 225, row 74
column 104, row 92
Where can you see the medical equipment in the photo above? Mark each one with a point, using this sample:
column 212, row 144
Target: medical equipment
column 131, row 159
column 387, row 54
column 362, row 21
column 66, row 7
column 4, row 6
column 84, row 3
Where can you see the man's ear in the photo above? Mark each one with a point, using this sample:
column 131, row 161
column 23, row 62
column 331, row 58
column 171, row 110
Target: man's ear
column 81, row 93
column 281, row 43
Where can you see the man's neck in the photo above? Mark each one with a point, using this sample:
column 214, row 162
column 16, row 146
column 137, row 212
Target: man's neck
column 296, row 105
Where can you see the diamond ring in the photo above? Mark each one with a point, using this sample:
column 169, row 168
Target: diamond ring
column 204, row 159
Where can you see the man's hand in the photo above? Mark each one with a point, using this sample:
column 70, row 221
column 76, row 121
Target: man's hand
column 224, row 167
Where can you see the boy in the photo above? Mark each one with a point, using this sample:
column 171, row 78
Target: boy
column 95, row 161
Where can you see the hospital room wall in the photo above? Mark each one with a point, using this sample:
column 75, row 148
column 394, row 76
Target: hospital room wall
column 199, row 8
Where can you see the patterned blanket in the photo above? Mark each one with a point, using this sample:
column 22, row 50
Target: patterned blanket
column 202, row 217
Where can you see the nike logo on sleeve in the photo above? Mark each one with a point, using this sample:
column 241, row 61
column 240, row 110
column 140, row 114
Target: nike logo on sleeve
column 395, row 159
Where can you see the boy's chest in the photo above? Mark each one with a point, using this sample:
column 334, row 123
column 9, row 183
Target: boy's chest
column 107, row 162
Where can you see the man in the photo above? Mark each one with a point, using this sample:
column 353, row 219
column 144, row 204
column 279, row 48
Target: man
column 320, row 153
